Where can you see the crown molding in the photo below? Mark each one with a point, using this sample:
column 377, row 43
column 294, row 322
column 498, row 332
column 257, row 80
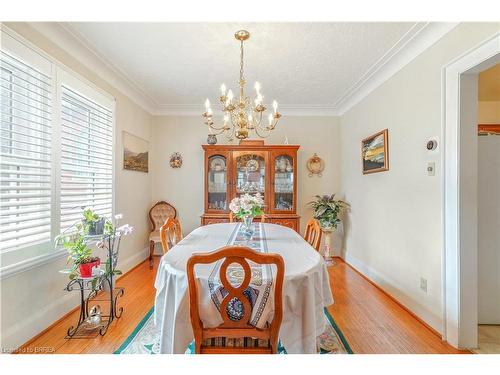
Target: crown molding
column 285, row 110
column 75, row 45
column 420, row 37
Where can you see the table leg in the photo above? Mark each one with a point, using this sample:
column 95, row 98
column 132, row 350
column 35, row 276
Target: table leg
column 151, row 251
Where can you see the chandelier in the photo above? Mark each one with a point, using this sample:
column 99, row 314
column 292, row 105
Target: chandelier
column 244, row 114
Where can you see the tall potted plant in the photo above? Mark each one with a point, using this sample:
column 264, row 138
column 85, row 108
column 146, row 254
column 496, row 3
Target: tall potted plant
column 327, row 210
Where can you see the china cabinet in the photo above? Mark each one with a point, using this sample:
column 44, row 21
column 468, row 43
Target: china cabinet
column 251, row 167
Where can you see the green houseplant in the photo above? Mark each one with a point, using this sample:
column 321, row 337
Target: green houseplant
column 93, row 224
column 327, row 210
column 81, row 256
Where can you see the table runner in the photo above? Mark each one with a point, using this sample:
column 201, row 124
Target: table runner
column 259, row 290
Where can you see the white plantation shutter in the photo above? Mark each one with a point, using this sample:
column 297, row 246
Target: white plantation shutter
column 25, row 154
column 86, row 156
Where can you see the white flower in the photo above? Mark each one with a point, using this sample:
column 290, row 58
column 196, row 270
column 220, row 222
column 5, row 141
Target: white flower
column 125, row 229
column 118, row 216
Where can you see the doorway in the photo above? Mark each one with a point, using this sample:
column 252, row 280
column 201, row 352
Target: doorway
column 460, row 192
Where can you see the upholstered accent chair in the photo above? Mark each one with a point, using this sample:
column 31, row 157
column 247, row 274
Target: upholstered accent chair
column 158, row 214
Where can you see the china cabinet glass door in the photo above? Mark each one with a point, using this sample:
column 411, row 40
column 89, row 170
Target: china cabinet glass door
column 217, row 197
column 250, row 173
column 283, row 181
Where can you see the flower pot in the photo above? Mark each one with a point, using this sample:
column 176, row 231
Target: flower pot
column 96, row 228
column 86, row 268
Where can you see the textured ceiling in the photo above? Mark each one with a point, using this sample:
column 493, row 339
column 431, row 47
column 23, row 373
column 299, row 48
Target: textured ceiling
column 299, row 64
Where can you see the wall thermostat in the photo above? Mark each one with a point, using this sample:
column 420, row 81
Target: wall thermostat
column 432, row 145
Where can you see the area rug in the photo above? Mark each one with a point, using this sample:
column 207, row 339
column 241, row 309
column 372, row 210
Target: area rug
column 145, row 338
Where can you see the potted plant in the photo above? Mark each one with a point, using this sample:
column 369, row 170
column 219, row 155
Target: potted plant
column 81, row 255
column 93, row 224
column 245, row 208
column 327, row 210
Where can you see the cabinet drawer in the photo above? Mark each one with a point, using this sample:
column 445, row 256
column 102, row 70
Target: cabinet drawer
column 290, row 223
column 208, row 221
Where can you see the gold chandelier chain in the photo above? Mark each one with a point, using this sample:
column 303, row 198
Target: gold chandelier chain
column 241, row 61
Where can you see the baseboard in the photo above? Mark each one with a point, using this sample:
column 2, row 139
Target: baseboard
column 377, row 279
column 67, row 302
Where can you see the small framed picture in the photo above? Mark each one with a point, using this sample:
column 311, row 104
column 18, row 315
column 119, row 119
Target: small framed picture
column 135, row 153
column 375, row 152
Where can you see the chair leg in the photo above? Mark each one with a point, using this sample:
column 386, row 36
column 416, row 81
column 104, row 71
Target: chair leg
column 151, row 251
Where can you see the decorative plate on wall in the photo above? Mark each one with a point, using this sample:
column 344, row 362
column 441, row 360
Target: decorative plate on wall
column 315, row 166
column 176, row 160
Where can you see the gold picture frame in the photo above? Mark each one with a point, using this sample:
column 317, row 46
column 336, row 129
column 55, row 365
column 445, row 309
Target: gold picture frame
column 375, row 152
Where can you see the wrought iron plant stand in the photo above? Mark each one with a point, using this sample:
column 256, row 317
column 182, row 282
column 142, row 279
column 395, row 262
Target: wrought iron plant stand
column 98, row 288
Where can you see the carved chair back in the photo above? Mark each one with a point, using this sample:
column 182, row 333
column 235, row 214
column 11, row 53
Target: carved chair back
column 313, row 233
column 236, row 328
column 170, row 233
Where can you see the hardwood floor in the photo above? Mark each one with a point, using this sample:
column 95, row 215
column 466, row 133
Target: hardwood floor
column 370, row 320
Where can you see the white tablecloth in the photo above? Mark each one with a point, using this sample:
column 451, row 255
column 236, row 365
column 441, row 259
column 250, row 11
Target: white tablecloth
column 306, row 290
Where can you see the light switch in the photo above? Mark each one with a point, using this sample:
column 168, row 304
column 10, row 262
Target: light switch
column 431, row 169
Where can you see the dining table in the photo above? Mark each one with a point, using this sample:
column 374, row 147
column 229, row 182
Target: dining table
column 306, row 287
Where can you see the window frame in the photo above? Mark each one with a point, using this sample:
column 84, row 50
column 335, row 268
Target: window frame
column 16, row 260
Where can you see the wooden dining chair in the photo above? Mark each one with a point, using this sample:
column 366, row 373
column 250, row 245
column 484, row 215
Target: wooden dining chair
column 313, row 233
column 170, row 233
column 157, row 215
column 235, row 336
column 232, row 218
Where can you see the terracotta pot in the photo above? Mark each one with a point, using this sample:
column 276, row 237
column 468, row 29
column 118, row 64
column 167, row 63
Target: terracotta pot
column 86, row 268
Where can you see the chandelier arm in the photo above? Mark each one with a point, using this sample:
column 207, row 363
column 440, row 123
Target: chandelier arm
column 260, row 135
column 215, row 128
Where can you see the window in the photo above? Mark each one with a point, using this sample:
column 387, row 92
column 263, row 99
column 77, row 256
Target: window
column 26, row 155
column 56, row 151
column 86, row 157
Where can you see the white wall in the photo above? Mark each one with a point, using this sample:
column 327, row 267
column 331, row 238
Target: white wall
column 34, row 299
column 488, row 216
column 394, row 232
column 183, row 187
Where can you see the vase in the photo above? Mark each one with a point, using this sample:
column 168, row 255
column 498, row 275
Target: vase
column 248, row 227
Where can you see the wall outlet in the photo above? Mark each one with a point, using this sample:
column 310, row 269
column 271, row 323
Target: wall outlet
column 423, row 284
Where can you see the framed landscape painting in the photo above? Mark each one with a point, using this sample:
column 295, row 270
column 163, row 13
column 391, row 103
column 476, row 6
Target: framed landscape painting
column 375, row 152
column 135, row 153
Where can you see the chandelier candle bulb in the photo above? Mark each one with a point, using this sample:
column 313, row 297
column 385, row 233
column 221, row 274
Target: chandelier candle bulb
column 223, row 89
column 230, row 95
column 275, row 106
column 257, row 87
column 270, row 119
column 207, row 104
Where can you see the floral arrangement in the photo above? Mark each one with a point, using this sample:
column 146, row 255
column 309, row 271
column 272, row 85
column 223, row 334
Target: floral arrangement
column 247, row 205
column 327, row 210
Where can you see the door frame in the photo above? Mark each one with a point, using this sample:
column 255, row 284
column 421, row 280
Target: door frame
column 459, row 277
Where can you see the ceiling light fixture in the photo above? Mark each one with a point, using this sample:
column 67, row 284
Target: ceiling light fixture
column 241, row 115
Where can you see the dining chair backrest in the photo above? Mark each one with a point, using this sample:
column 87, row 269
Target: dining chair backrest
column 170, row 233
column 313, row 233
column 233, row 218
column 235, row 328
